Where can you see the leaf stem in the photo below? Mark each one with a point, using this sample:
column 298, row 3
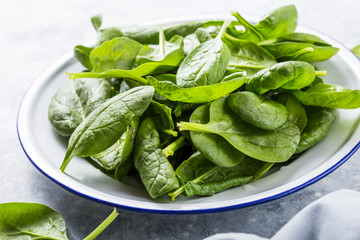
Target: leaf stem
column 181, row 189
column 161, row 43
column 103, row 225
column 222, row 30
column 183, row 126
column 171, row 148
column 169, row 132
column 320, row 73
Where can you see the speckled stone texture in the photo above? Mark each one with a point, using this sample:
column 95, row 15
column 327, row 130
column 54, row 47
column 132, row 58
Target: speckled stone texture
column 36, row 33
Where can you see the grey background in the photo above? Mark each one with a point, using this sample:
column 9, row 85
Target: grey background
column 36, row 33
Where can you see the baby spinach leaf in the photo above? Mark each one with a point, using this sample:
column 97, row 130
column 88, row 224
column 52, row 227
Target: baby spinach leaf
column 292, row 51
column 329, row 95
column 246, row 54
column 170, row 52
column 82, row 54
column 198, row 94
column 156, row 172
column 149, row 34
column 270, row 146
column 212, row 146
column 298, row 37
column 295, row 110
column 104, row 126
column 104, row 34
column 209, row 189
column 286, row 75
column 258, row 110
column 279, row 22
column 203, row 35
column 74, row 101
column 162, row 112
column 30, row 221
column 319, row 122
column 118, row 53
column 205, row 64
column 200, row 176
column 190, row 42
column 119, row 152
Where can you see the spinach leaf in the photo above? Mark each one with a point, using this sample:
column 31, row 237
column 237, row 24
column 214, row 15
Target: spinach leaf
column 319, row 122
column 212, row 146
column 199, row 94
column 170, row 52
column 269, row 146
column 82, row 54
column 204, row 65
column 246, row 54
column 258, row 110
column 30, row 221
column 286, row 75
column 298, row 51
column 190, row 42
column 295, row 110
column 279, row 22
column 74, row 101
column 156, row 172
column 119, row 152
column 201, row 177
column 104, row 126
column 298, row 37
column 118, row 53
column 329, row 95
column 104, row 34
column 149, row 34
column 203, row 35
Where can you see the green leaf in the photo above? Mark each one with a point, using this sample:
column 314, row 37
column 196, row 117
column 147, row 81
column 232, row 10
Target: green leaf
column 74, row 101
column 270, row 146
column 258, row 110
column 30, row 221
column 155, row 171
column 212, row 146
column 279, row 22
column 329, row 95
column 286, row 75
column 356, row 50
column 104, row 126
column 82, row 54
column 319, row 122
column 120, row 151
column 118, row 53
column 96, row 22
column 200, row 94
column 205, row 64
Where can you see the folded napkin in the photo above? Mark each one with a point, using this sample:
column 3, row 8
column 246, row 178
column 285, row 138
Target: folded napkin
column 332, row 217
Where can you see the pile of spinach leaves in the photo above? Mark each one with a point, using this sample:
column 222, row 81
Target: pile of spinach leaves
column 199, row 107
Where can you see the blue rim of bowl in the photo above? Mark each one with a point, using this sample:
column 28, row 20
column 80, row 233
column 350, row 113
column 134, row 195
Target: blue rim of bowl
column 196, row 211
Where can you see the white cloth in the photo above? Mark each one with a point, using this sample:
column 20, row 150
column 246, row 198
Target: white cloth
column 332, row 217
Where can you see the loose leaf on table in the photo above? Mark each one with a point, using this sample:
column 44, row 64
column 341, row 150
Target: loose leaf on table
column 30, row 221
column 285, row 75
column 205, row 64
column 213, row 146
column 356, row 50
column 329, row 95
column 270, row 146
column 82, row 54
column 279, row 22
column 295, row 110
column 104, row 126
column 258, row 110
column 319, row 122
column 119, row 152
column 156, row 172
column 246, row 54
column 199, row 94
column 74, row 101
